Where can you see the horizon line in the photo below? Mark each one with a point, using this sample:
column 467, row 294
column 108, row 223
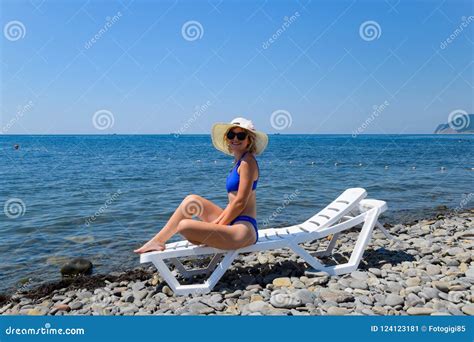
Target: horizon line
column 208, row 134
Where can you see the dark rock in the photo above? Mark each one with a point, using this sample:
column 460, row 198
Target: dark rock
column 3, row 299
column 78, row 266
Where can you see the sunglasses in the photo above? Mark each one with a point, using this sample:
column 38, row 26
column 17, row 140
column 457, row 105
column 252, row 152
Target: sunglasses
column 241, row 135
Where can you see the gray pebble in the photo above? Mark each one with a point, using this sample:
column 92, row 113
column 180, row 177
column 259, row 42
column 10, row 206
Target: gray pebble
column 359, row 275
column 358, row 284
column 337, row 311
column 139, row 285
column 433, row 269
column 75, row 305
column 336, row 296
column 258, row 306
column 413, row 300
column 200, row 308
column 393, row 300
column 420, row 311
column 470, row 273
column 468, row 309
column 375, row 271
column 305, row 296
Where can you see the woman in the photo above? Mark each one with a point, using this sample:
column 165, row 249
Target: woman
column 235, row 226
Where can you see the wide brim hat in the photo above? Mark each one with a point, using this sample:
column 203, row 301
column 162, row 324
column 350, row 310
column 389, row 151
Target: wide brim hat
column 220, row 129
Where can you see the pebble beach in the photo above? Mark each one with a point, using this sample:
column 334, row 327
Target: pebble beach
column 429, row 270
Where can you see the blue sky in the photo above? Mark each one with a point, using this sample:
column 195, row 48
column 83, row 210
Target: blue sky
column 319, row 71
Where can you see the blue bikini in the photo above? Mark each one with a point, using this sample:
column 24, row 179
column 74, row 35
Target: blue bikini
column 233, row 179
column 232, row 184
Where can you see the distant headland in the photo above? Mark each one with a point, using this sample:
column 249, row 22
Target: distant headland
column 459, row 122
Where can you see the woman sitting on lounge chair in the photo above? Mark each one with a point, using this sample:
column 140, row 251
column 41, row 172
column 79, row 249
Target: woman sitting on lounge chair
column 235, row 226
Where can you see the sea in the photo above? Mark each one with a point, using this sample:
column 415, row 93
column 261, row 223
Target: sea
column 101, row 196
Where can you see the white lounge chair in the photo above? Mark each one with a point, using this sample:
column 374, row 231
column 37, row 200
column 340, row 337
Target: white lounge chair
column 337, row 217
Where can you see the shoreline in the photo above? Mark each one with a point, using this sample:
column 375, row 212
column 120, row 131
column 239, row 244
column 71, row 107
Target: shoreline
column 430, row 272
column 406, row 217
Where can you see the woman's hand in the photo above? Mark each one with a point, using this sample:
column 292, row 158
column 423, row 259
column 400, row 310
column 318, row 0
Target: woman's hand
column 219, row 219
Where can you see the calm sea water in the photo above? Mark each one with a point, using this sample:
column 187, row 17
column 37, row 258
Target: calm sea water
column 99, row 197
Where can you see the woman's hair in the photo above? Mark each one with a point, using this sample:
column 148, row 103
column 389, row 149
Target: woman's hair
column 251, row 136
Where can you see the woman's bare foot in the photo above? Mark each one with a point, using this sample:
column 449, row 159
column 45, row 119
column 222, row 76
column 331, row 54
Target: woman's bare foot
column 151, row 245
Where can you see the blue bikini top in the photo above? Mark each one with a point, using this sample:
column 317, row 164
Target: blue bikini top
column 233, row 179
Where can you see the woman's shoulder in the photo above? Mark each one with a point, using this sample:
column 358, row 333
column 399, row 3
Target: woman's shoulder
column 250, row 159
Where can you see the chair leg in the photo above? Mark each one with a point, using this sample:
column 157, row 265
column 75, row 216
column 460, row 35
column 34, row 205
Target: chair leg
column 205, row 287
column 359, row 248
column 362, row 241
column 221, row 268
column 188, row 273
column 328, row 250
column 385, row 232
column 165, row 273
column 311, row 260
column 332, row 243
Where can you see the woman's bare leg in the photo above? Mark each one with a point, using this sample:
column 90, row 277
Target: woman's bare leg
column 192, row 205
column 217, row 235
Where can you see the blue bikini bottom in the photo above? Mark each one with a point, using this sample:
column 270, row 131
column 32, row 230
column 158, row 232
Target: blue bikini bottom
column 247, row 219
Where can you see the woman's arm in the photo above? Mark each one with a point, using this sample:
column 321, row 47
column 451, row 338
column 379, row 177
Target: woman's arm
column 219, row 218
column 239, row 203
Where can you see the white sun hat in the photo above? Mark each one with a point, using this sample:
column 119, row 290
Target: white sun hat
column 220, row 129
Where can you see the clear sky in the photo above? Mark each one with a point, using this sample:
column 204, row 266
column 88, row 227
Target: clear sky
column 136, row 65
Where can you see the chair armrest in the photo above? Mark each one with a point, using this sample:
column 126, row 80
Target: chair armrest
column 367, row 204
